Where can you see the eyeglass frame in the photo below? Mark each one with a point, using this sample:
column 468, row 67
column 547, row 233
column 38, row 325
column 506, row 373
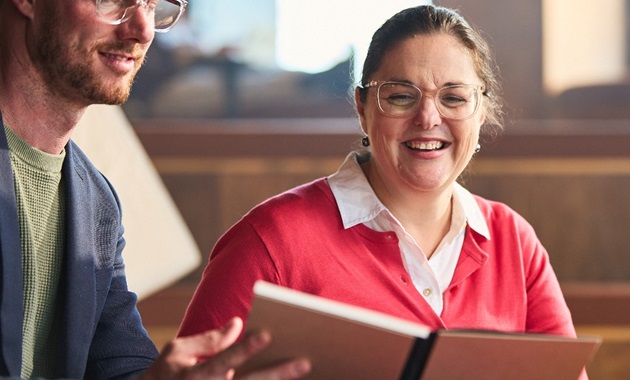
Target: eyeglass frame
column 143, row 3
column 479, row 89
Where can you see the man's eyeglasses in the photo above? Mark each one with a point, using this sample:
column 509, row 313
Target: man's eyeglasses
column 166, row 12
column 399, row 99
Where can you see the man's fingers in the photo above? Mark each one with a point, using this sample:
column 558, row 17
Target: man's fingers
column 184, row 357
column 294, row 369
column 252, row 344
column 205, row 344
column 238, row 353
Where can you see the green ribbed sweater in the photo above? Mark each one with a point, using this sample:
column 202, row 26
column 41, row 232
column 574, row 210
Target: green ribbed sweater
column 41, row 214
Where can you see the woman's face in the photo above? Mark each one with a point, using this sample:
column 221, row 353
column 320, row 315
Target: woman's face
column 424, row 151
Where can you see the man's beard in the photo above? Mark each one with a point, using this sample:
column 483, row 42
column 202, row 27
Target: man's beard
column 68, row 71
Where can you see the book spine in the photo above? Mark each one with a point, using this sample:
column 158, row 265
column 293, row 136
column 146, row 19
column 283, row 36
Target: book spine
column 417, row 358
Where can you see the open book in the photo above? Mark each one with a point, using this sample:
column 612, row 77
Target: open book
column 349, row 342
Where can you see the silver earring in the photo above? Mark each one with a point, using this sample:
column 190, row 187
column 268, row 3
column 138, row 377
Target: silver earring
column 477, row 148
column 365, row 141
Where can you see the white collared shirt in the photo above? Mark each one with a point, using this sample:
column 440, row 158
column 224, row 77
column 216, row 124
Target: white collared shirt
column 358, row 203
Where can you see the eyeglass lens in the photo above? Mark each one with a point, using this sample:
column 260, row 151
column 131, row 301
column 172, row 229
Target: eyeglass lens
column 167, row 12
column 402, row 100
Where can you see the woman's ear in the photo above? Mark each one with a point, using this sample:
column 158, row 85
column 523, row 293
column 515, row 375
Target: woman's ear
column 482, row 116
column 360, row 108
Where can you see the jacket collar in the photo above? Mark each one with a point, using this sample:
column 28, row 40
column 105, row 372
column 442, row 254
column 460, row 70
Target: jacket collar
column 79, row 284
column 11, row 298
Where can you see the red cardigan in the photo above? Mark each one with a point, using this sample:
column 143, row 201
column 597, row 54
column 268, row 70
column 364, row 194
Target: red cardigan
column 297, row 239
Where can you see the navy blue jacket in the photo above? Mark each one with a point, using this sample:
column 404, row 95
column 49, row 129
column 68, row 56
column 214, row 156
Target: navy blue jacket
column 101, row 334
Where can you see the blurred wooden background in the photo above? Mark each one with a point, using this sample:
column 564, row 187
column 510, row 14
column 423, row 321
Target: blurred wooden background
column 563, row 162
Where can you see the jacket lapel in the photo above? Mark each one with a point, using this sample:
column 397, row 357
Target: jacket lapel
column 11, row 298
column 78, row 282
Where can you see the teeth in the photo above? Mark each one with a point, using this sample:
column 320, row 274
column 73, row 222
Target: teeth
column 117, row 57
column 426, row 146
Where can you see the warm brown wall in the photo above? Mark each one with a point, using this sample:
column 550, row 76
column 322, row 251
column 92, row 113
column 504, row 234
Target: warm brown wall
column 514, row 31
column 217, row 170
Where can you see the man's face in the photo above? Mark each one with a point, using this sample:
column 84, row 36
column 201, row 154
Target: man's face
column 83, row 59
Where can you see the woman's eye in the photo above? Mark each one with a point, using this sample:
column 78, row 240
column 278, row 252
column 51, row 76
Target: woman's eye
column 401, row 99
column 452, row 101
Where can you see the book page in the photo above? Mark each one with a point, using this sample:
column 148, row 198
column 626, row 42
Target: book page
column 342, row 341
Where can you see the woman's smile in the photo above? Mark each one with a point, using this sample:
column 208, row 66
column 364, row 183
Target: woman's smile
column 425, row 146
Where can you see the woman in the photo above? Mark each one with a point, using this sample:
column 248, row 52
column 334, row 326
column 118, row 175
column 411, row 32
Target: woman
column 392, row 230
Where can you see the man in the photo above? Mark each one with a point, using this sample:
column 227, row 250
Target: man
column 65, row 310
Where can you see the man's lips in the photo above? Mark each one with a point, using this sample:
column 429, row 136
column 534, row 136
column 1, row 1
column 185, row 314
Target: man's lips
column 121, row 62
column 123, row 57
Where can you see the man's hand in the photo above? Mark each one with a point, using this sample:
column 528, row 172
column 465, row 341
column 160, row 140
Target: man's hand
column 184, row 358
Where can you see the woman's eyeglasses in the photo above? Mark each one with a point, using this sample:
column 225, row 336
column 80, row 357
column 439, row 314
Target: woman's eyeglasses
column 399, row 99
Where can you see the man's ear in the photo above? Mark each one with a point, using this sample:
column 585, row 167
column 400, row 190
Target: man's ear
column 26, row 7
column 360, row 108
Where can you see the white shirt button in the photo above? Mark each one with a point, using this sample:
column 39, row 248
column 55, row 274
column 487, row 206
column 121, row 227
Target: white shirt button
column 427, row 292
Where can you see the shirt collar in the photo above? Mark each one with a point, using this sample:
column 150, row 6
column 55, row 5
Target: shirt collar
column 472, row 212
column 358, row 203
